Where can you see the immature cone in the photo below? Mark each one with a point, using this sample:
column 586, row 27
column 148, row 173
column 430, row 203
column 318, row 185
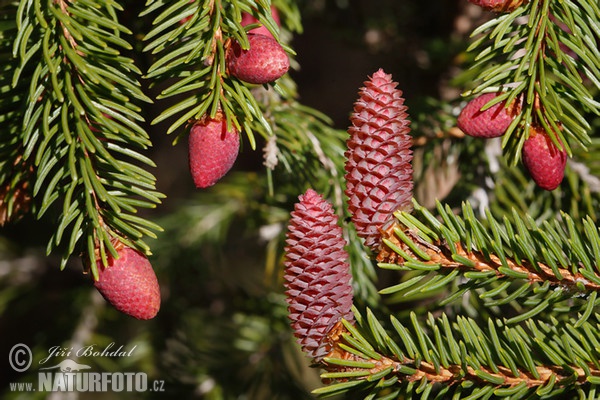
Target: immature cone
column 544, row 161
column 489, row 123
column 265, row 60
column 317, row 274
column 129, row 284
column 378, row 166
column 499, row 5
column 248, row 19
column 212, row 150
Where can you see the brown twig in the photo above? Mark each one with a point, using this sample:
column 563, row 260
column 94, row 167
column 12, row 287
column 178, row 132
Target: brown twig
column 63, row 7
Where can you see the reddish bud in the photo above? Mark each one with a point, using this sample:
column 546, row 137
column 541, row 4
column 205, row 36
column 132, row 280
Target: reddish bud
column 265, row 60
column 499, row 5
column 378, row 159
column 544, row 161
column 212, row 150
column 489, row 123
column 129, row 284
column 317, row 274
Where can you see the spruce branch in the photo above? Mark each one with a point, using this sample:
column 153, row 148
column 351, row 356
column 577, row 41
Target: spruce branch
column 444, row 358
column 190, row 41
column 540, row 271
column 546, row 58
column 452, row 167
column 503, row 261
column 15, row 173
column 80, row 126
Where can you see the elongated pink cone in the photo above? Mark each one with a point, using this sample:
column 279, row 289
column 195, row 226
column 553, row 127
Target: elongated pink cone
column 129, row 284
column 489, row 123
column 544, row 161
column 265, row 61
column 317, row 274
column 212, row 150
column 499, row 5
column 378, row 160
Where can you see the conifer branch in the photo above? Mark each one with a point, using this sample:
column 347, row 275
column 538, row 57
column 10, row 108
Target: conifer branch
column 80, row 126
column 555, row 261
column 464, row 358
column 15, row 172
column 547, row 59
column 190, row 40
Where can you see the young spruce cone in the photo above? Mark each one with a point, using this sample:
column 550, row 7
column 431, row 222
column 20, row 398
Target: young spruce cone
column 263, row 62
column 378, row 166
column 129, row 283
column 212, row 150
column 544, row 161
column 317, row 274
column 489, row 123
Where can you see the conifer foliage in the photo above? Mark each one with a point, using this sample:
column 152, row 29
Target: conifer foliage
column 488, row 291
column 527, row 281
column 73, row 134
column 545, row 54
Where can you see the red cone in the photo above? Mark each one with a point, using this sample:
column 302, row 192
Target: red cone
column 129, row 284
column 317, row 274
column 265, row 61
column 544, row 161
column 212, row 150
column 378, row 160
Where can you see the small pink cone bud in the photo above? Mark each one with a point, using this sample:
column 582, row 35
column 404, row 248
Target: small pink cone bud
column 317, row 274
column 378, row 160
column 544, row 161
column 129, row 284
column 265, row 60
column 489, row 123
column 212, row 150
